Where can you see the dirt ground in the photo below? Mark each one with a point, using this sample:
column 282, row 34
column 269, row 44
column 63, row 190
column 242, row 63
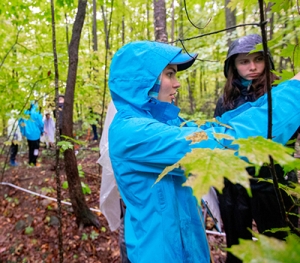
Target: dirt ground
column 29, row 223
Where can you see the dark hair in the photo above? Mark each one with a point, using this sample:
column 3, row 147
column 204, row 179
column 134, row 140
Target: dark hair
column 232, row 92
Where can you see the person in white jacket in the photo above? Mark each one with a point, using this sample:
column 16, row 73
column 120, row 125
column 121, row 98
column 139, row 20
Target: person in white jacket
column 111, row 204
column 49, row 130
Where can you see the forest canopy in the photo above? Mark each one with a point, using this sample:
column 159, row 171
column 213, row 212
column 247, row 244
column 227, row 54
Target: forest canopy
column 26, row 57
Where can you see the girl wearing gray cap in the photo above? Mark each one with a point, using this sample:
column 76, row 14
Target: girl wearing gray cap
column 245, row 73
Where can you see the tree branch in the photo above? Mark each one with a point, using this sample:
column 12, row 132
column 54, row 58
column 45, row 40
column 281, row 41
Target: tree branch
column 16, row 42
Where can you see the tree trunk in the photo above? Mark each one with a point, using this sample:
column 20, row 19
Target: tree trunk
column 173, row 21
column 84, row 216
column 107, row 25
column 230, row 20
column 201, row 81
column 57, row 170
column 160, row 29
column 148, row 18
column 95, row 42
column 191, row 90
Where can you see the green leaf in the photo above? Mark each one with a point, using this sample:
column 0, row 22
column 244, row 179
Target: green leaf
column 293, row 190
column 267, row 250
column 284, row 75
column 220, row 136
column 64, row 145
column 85, row 188
column 208, row 167
column 279, row 5
column 80, row 171
column 28, row 230
column 84, row 236
column 65, row 185
column 94, row 235
column 258, row 149
column 166, row 171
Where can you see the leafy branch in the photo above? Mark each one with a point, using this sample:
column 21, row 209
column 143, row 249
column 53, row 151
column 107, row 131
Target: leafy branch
column 12, row 47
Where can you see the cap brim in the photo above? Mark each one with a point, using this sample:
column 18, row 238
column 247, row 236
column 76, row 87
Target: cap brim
column 184, row 60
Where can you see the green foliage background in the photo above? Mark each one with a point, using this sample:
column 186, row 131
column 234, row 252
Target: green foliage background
column 26, row 57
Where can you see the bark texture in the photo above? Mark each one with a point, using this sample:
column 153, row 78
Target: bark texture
column 84, row 217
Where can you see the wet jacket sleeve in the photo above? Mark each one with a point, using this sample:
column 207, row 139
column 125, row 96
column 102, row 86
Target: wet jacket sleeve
column 251, row 119
column 154, row 145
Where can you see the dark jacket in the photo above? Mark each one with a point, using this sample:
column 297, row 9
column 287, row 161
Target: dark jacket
column 246, row 95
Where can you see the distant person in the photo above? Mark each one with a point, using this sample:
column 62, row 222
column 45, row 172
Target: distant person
column 61, row 101
column 14, row 137
column 94, row 121
column 32, row 127
column 49, row 130
column 111, row 204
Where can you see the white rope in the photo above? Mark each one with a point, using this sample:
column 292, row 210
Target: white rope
column 40, row 195
column 92, row 209
column 215, row 233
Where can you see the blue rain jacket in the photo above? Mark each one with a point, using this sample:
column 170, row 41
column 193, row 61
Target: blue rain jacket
column 33, row 127
column 162, row 222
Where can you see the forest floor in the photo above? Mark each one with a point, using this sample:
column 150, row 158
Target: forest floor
column 29, row 223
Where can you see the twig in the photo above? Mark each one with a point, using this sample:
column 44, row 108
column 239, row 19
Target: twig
column 218, row 31
column 187, row 15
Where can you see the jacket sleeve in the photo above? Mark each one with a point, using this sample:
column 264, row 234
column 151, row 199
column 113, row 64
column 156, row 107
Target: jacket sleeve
column 251, row 118
column 40, row 123
column 22, row 126
column 152, row 145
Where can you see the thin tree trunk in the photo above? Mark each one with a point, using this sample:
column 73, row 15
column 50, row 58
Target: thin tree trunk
column 160, row 29
column 173, row 21
column 84, row 216
column 107, row 49
column 57, row 170
column 201, row 81
column 95, row 42
column 123, row 25
column 230, row 20
column 67, row 31
column 148, row 19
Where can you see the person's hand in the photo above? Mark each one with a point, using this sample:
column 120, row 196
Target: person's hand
column 297, row 76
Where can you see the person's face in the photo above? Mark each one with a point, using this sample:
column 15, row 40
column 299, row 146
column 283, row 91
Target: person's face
column 61, row 99
column 250, row 66
column 169, row 84
column 47, row 116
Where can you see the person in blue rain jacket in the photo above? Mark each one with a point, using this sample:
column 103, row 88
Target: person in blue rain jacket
column 32, row 127
column 163, row 222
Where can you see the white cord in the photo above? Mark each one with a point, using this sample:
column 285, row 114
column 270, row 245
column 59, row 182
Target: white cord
column 92, row 209
column 215, row 233
column 40, row 195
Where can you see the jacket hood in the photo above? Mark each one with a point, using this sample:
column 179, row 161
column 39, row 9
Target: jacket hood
column 244, row 45
column 135, row 69
column 34, row 107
